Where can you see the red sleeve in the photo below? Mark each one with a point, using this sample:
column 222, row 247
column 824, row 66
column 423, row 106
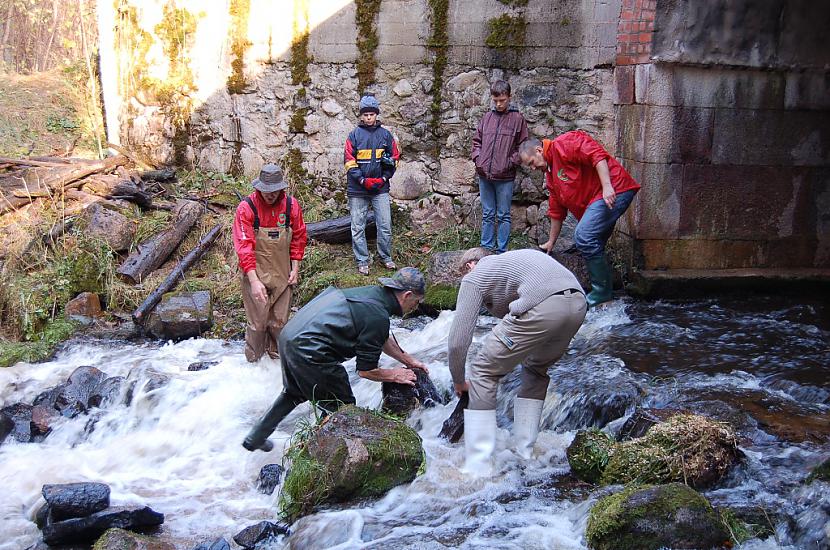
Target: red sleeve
column 349, row 161
column 244, row 239
column 555, row 210
column 590, row 150
column 299, row 236
column 396, row 153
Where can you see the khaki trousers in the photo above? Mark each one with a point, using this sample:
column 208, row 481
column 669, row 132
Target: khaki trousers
column 536, row 339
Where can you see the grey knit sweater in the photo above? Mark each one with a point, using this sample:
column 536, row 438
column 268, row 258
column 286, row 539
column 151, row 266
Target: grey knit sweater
column 513, row 283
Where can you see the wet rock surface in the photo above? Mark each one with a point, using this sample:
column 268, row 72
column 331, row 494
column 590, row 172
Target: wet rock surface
column 402, row 399
column 201, row 365
column 121, row 539
column 73, row 399
column 642, row 419
column 18, row 422
column 216, row 544
column 107, row 393
column 181, row 315
column 75, row 500
column 89, row 528
column 84, row 308
column 254, row 534
column 670, row 516
column 269, row 478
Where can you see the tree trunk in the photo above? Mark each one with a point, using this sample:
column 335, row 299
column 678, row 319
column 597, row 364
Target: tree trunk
column 152, row 253
column 338, row 230
column 140, row 314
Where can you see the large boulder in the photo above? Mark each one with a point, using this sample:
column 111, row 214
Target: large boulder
column 73, row 398
column 84, row 308
column 75, row 500
column 444, row 269
column 88, row 529
column 642, row 419
column 689, row 448
column 181, row 315
column 355, row 453
column 110, row 226
column 107, row 393
column 663, row 516
column 121, row 539
column 402, row 399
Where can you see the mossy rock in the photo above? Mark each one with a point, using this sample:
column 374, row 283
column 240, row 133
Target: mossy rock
column 820, row 472
column 441, row 297
column 356, row 453
column 121, row 539
column 687, row 447
column 53, row 334
column 652, row 517
column 588, row 454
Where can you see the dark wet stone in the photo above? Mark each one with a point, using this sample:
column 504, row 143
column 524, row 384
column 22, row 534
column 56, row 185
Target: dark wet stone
column 801, row 393
column 20, row 415
column 402, row 399
column 201, row 365
column 250, row 536
column 269, row 478
column 42, row 418
column 218, row 544
column 92, row 422
column 642, row 419
column 40, row 545
column 76, row 500
column 49, row 397
column 181, row 315
column 512, row 496
column 453, row 428
column 80, row 530
column 6, row 427
column 107, row 392
column 42, row 516
column 74, row 398
column 145, row 382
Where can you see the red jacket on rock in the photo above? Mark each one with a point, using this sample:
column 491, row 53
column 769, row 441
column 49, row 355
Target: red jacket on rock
column 572, row 179
column 496, row 144
column 270, row 215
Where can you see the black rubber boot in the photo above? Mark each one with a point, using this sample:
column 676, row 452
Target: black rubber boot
column 256, row 438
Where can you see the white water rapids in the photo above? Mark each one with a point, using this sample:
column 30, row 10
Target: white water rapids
column 178, row 450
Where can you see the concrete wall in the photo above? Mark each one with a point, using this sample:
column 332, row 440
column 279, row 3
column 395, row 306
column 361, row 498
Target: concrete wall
column 728, row 129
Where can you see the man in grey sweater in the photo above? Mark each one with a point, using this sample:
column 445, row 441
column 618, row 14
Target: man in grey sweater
column 541, row 306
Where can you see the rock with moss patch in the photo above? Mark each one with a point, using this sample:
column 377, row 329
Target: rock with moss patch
column 121, row 539
column 652, row 517
column 687, row 447
column 355, row 453
column 820, row 472
column 181, row 315
column 588, row 454
column 440, row 297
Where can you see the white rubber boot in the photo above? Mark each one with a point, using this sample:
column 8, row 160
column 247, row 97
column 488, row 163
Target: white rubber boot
column 526, row 416
column 479, row 442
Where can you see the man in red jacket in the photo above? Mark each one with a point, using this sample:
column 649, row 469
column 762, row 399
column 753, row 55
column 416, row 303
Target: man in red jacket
column 495, row 153
column 583, row 179
column 270, row 237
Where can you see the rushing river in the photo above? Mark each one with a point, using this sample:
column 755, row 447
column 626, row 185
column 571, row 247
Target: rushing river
column 177, row 447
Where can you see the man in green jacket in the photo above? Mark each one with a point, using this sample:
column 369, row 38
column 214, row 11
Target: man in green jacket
column 332, row 328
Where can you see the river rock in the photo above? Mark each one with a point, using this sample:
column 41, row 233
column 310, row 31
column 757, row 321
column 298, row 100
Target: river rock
column 50, row 396
column 588, row 454
column 254, row 534
column 6, row 426
column 444, row 268
column 402, row 399
column 356, row 453
column 80, row 530
column 642, row 419
column 84, row 308
column 75, row 500
column 201, row 365
column 107, row 393
column 663, row 516
column 73, row 399
column 120, row 539
column 20, row 415
column 110, row 226
column 216, row 544
column 42, row 418
column 269, row 478
column 688, row 448
column 181, row 315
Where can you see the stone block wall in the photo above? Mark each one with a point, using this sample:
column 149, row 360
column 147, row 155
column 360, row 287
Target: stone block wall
column 725, row 124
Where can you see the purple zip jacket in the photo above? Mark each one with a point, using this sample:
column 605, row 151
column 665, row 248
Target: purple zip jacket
column 496, row 144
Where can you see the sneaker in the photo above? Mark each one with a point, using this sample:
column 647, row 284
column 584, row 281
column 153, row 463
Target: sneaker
column 266, row 446
column 390, row 265
column 363, row 269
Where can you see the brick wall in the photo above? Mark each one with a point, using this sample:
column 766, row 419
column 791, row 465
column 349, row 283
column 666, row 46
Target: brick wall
column 635, row 31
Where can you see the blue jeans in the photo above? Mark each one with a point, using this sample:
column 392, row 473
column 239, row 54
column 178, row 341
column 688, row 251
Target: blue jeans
column 596, row 225
column 359, row 210
column 496, row 196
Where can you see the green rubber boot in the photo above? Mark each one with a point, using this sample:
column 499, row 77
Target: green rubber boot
column 256, row 438
column 602, row 281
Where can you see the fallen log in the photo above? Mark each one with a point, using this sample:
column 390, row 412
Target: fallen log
column 338, row 230
column 453, row 427
column 129, row 190
column 41, row 182
column 165, row 174
column 153, row 252
column 140, row 314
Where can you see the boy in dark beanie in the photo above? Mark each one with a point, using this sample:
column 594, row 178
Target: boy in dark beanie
column 371, row 156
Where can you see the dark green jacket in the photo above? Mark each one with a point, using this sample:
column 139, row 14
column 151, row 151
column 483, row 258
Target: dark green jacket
column 340, row 324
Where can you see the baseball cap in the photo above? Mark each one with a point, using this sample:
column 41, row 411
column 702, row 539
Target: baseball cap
column 406, row 278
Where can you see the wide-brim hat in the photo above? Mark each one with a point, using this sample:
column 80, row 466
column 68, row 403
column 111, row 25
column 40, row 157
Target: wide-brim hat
column 406, row 278
column 270, row 179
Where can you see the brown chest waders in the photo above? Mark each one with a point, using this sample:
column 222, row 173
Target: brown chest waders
column 273, row 267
